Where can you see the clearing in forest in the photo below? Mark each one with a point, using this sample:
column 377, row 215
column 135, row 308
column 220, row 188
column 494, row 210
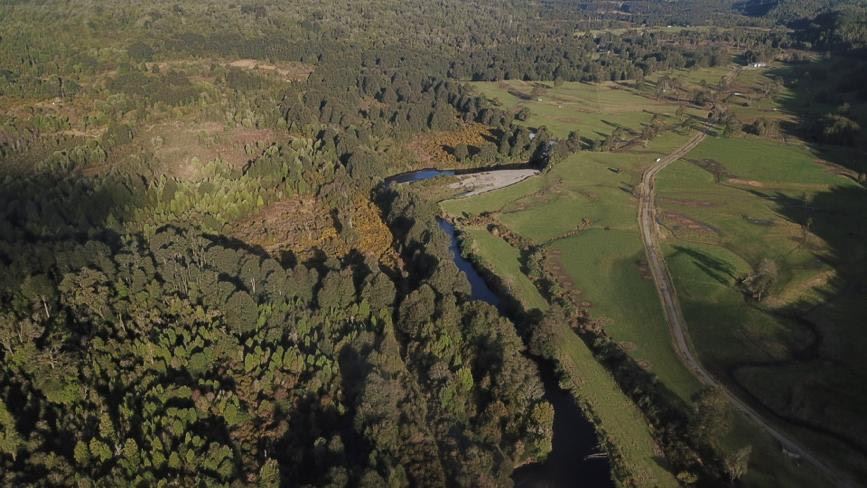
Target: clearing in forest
column 594, row 110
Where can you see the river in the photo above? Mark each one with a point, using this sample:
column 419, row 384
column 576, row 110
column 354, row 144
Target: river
column 422, row 174
column 574, row 437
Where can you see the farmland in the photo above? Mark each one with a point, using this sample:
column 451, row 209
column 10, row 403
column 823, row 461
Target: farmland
column 722, row 231
column 594, row 110
column 727, row 207
column 603, row 262
column 543, row 209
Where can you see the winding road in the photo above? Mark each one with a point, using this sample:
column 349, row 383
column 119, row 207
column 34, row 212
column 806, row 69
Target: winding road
column 677, row 324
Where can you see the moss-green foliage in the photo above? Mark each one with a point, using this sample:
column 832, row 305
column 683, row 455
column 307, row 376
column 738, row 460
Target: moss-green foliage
column 179, row 358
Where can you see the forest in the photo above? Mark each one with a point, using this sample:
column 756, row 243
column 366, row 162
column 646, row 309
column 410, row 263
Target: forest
column 204, row 278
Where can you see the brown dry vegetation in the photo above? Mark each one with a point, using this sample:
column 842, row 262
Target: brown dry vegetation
column 554, row 263
column 184, row 149
column 684, row 202
column 752, row 183
column 374, row 237
column 681, row 220
column 433, row 149
column 300, row 225
column 303, row 225
column 288, row 71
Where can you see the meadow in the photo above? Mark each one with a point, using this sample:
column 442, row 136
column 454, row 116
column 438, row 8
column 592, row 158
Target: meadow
column 594, row 110
column 622, row 423
column 602, row 262
column 731, row 203
column 542, row 209
column 784, row 350
column 504, row 261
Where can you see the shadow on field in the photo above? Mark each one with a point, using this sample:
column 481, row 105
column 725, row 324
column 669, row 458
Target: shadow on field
column 826, row 393
column 713, row 267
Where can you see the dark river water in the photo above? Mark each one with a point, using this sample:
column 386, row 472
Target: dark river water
column 479, row 288
column 574, row 437
column 422, row 174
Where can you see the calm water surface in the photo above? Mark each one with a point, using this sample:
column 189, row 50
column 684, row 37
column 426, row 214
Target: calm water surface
column 574, row 437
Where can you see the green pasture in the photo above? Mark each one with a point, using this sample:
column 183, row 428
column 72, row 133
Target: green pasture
column 693, row 78
column 786, row 166
column 720, row 231
column 759, row 210
column 769, row 467
column 603, row 261
column 605, row 266
column 622, row 423
column 747, row 220
column 592, row 109
column 504, row 260
column 724, row 329
column 593, row 185
column 727, row 205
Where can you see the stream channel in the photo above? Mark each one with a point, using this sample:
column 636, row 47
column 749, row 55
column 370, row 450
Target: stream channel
column 567, row 465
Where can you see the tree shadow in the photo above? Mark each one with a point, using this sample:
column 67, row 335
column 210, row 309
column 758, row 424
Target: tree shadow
column 49, row 207
column 615, row 125
column 834, row 230
column 713, row 267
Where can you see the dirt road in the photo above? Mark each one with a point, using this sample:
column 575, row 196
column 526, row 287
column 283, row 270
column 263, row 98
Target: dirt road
column 677, row 324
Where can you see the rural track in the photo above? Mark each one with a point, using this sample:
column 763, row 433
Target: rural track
column 677, row 323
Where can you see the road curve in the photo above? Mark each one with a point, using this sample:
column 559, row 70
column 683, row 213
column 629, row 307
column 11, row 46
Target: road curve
column 677, row 324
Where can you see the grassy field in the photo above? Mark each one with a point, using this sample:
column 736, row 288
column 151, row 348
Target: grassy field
column 727, row 206
column 544, row 208
column 719, row 229
column 693, row 78
column 504, row 261
column 747, row 98
column 605, row 267
column 622, row 422
column 592, row 109
column 603, row 262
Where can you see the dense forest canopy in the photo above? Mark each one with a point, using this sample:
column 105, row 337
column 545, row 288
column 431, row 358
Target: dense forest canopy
column 146, row 336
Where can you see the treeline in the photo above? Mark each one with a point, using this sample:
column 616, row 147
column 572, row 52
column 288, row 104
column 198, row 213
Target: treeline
column 389, row 78
column 830, row 91
column 606, row 57
column 841, row 28
column 393, row 93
